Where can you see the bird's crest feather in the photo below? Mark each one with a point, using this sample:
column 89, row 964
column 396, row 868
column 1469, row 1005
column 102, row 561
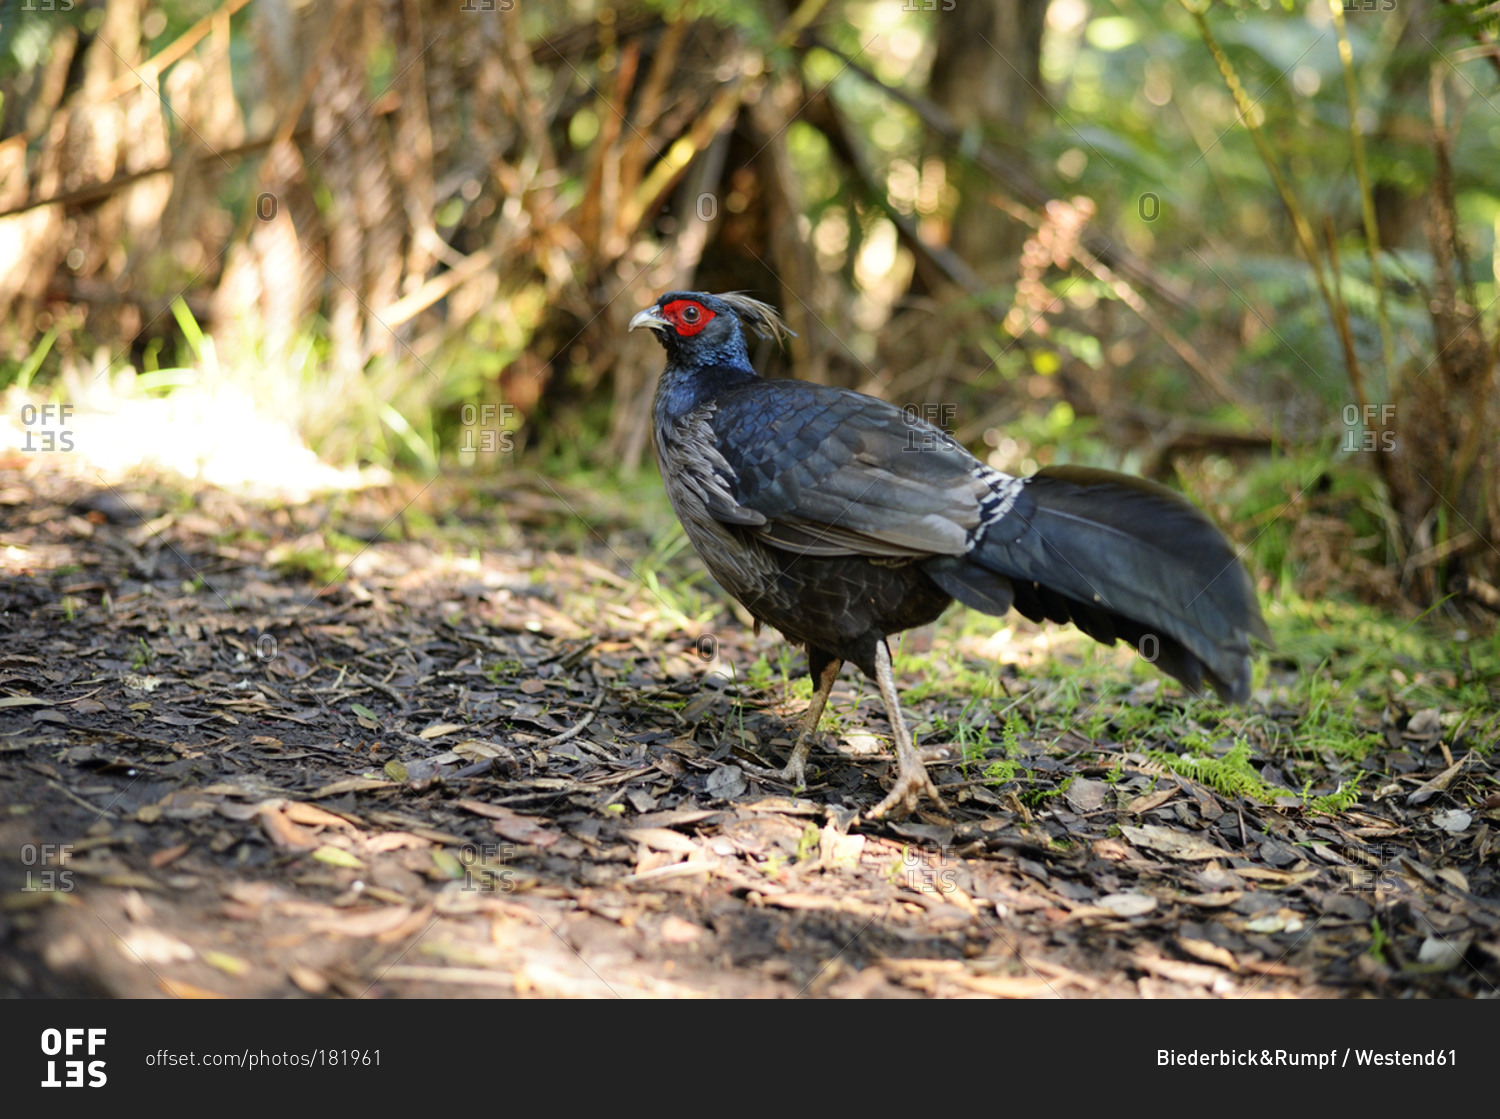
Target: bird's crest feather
column 759, row 317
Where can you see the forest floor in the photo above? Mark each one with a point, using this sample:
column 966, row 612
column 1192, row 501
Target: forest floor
column 493, row 738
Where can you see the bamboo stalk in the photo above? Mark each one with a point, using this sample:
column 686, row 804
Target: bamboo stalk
column 720, row 111
column 164, row 58
column 1340, row 310
column 670, row 167
column 1366, row 196
column 1009, row 175
column 1300, row 224
column 409, row 306
column 94, row 192
column 1205, row 371
column 633, row 158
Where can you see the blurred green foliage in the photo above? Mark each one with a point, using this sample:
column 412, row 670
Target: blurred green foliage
column 1134, row 116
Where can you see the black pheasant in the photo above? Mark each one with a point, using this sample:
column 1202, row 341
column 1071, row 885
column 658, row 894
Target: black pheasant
column 839, row 519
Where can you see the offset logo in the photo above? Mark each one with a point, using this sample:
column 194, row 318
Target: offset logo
column 42, row 868
column 486, row 867
column 66, row 1043
column 44, row 427
column 922, row 419
column 1376, row 423
column 486, row 429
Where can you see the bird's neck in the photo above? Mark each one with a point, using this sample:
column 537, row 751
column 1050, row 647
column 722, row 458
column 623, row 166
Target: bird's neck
column 686, row 386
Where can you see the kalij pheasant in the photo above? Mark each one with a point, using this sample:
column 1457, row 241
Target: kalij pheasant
column 839, row 519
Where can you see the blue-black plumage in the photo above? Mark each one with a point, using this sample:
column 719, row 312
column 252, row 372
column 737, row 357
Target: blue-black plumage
column 840, row 519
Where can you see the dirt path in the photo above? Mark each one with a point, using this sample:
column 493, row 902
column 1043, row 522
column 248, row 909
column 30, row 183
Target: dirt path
column 222, row 777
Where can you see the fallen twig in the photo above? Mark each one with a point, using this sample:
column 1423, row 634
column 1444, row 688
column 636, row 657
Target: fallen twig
column 480, row 768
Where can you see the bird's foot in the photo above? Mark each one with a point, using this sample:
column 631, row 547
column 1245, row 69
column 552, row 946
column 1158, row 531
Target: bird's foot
column 763, row 771
column 795, row 773
column 911, row 785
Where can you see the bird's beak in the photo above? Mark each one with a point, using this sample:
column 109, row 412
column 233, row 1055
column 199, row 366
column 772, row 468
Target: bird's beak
column 649, row 318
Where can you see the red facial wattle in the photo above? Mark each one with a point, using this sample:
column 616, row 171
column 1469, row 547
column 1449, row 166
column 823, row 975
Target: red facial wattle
column 687, row 316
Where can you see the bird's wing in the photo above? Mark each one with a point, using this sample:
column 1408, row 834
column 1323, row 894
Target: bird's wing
column 835, row 472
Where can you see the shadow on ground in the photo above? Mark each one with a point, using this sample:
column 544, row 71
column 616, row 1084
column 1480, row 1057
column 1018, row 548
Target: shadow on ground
column 253, row 751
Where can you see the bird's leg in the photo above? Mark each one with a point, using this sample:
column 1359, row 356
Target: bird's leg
column 824, row 670
column 911, row 775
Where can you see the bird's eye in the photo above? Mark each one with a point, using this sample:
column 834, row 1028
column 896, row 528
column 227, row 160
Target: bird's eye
column 690, row 313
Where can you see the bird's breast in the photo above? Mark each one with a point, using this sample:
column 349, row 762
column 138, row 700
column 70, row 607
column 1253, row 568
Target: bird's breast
column 697, row 476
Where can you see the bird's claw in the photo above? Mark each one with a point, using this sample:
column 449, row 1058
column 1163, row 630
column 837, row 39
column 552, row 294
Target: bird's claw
column 907, row 793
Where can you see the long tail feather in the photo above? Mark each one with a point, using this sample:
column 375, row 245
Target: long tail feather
column 1124, row 558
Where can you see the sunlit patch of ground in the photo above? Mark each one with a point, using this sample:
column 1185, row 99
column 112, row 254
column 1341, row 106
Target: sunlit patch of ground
column 216, row 435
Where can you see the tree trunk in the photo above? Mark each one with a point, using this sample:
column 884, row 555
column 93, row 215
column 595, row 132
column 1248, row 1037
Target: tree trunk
column 987, row 75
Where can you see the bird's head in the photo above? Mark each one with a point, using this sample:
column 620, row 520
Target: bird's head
column 701, row 329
